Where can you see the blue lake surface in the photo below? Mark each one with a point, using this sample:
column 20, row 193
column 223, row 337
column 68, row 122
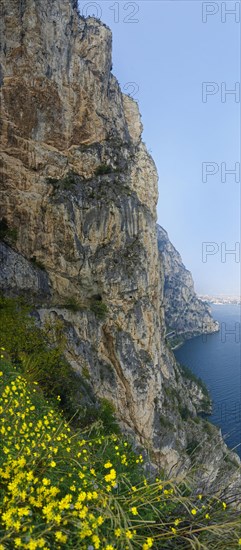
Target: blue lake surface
column 216, row 358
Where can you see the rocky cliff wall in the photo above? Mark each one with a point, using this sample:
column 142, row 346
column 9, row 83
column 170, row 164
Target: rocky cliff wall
column 185, row 313
column 79, row 196
column 78, row 225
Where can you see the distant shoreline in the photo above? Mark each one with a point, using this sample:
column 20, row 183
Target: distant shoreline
column 219, row 301
column 225, row 303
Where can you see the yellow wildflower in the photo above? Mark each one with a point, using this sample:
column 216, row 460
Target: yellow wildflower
column 60, row 537
column 32, row 545
column 100, row 520
column 46, row 481
column 148, row 544
column 107, row 465
column 111, row 476
column 96, row 541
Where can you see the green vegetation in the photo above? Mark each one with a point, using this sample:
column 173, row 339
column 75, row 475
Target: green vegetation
column 65, row 183
column 68, row 181
column 187, row 373
column 206, row 405
column 9, row 234
column 69, row 487
column 174, row 342
column 39, row 357
column 100, row 416
column 86, row 373
column 103, row 169
column 39, row 353
column 192, row 447
column 165, row 423
column 230, row 461
column 73, row 304
column 171, row 392
column 210, row 428
column 184, row 412
column 104, row 414
column 99, row 308
column 53, row 181
column 37, row 263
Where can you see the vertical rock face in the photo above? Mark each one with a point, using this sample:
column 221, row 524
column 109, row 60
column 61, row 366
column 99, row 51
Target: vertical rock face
column 185, row 314
column 79, row 193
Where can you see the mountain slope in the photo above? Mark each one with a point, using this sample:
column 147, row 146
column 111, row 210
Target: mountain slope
column 185, row 313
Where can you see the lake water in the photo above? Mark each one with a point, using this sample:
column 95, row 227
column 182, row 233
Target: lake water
column 216, row 358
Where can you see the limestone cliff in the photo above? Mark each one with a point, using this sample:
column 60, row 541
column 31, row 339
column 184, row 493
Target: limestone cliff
column 185, row 314
column 78, row 225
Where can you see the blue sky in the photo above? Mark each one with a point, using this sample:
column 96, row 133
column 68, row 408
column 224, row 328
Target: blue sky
column 167, row 51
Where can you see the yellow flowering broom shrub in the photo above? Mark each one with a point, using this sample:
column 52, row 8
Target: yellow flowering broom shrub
column 61, row 488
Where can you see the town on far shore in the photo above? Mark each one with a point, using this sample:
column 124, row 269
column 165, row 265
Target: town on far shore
column 221, row 299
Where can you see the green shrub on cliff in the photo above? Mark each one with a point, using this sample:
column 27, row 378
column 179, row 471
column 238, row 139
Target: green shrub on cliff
column 7, row 233
column 99, row 308
column 65, row 183
column 73, row 305
column 38, row 353
column 187, row 373
column 103, row 169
